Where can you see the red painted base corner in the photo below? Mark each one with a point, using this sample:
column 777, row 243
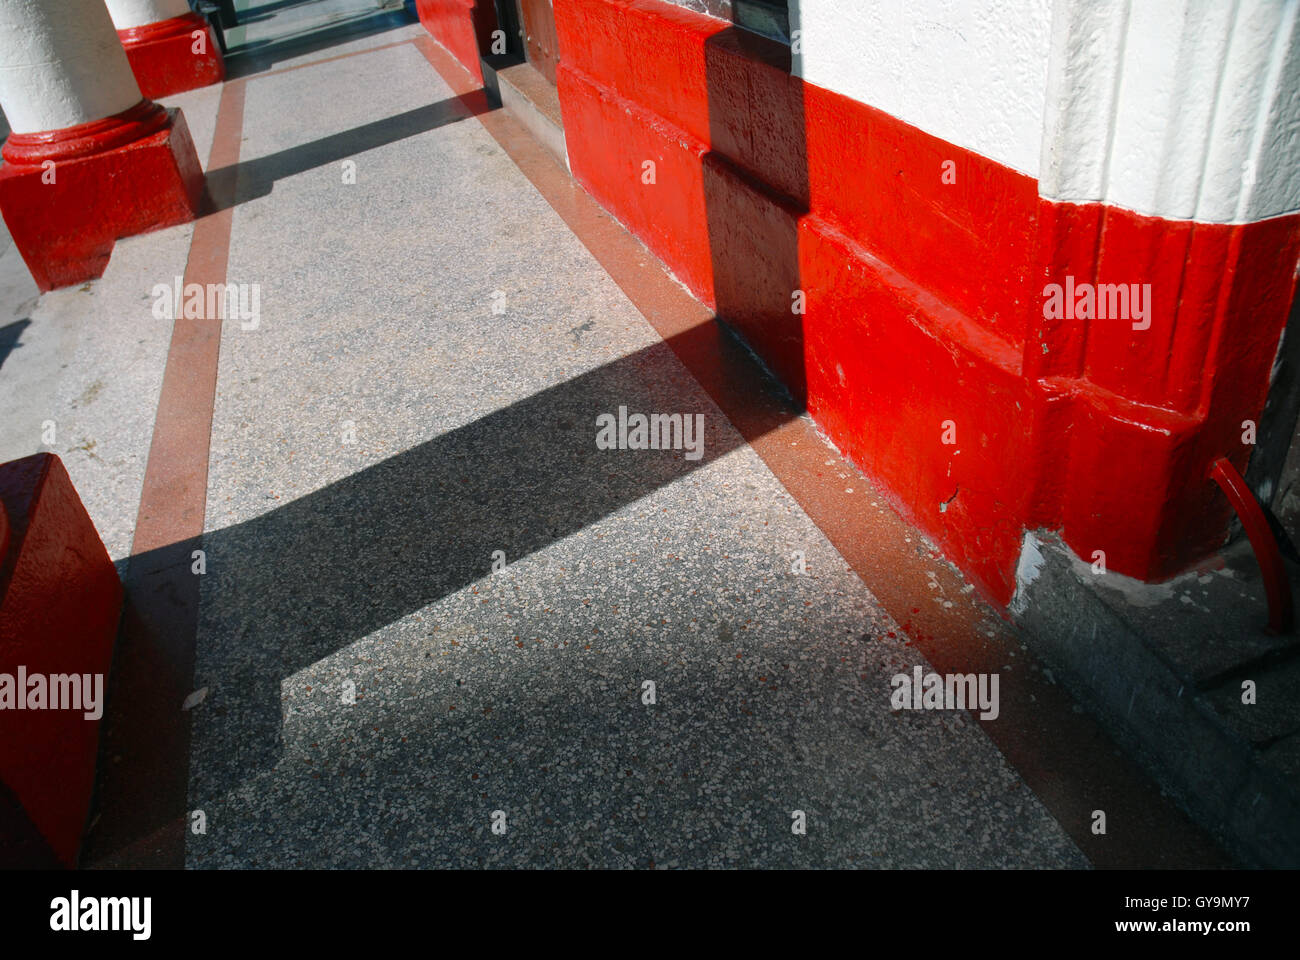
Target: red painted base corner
column 462, row 26
column 173, row 55
column 67, row 196
column 60, row 601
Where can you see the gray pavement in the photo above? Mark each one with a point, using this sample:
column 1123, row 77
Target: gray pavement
column 421, row 391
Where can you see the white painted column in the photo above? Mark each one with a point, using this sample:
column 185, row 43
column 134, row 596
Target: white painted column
column 1175, row 108
column 137, row 13
column 61, row 64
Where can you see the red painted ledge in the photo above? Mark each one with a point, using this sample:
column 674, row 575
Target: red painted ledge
column 174, row 55
column 463, row 27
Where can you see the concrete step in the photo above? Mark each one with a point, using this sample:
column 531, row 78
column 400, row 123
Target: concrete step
column 530, row 98
column 1164, row 667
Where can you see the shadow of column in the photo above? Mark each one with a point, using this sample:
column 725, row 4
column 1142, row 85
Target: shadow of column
column 755, row 192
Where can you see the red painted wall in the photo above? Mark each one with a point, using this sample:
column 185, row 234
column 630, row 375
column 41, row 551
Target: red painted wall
column 59, row 604
column 464, row 27
column 924, row 299
column 163, row 60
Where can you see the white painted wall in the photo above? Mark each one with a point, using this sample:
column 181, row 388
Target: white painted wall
column 972, row 72
column 1186, row 109
column 136, row 13
column 61, row 64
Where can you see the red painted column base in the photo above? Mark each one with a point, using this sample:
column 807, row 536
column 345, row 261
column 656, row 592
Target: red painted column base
column 68, row 195
column 60, row 600
column 163, row 59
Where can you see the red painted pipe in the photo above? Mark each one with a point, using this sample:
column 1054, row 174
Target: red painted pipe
column 1262, row 541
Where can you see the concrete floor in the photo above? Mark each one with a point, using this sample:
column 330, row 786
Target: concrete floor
column 421, row 391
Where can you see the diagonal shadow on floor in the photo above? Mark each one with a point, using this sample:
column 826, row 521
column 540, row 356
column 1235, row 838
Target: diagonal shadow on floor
column 10, row 334
column 249, row 179
column 307, row 579
column 292, row 586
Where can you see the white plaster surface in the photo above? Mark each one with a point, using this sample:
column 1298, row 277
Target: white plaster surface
column 136, row 13
column 972, row 72
column 1175, row 108
column 61, row 64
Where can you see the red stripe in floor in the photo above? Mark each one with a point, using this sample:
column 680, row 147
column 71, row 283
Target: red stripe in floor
column 145, row 754
column 141, row 815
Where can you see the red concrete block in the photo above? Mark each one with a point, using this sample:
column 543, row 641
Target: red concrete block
column 68, row 195
column 958, row 223
column 667, row 66
column 60, row 599
column 892, row 376
column 173, row 55
column 464, row 27
column 617, row 138
column 593, row 42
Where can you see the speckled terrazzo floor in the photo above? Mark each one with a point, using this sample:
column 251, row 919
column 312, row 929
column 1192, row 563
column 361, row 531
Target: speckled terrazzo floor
column 421, row 391
column 416, row 406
